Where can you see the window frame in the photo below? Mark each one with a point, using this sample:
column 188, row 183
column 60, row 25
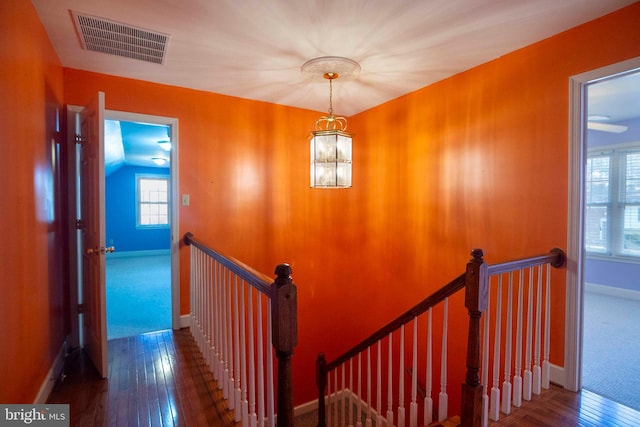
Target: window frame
column 159, row 177
column 616, row 202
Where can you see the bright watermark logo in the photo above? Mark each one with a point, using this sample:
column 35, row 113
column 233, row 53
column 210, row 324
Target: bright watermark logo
column 36, row 415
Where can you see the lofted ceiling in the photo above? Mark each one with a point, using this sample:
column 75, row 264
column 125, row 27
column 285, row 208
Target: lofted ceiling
column 254, row 49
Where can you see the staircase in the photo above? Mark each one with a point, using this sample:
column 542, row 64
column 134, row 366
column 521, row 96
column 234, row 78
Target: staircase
column 367, row 386
column 241, row 318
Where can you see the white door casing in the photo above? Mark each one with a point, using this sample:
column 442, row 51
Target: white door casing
column 575, row 221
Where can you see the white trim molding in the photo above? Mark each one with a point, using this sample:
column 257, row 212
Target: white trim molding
column 185, row 321
column 612, row 291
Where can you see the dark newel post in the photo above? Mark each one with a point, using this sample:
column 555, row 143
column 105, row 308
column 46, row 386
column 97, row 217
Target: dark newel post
column 321, row 381
column 284, row 317
column 476, row 288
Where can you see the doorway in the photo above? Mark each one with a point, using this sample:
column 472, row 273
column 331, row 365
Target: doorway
column 76, row 295
column 600, row 232
column 611, row 311
column 137, row 215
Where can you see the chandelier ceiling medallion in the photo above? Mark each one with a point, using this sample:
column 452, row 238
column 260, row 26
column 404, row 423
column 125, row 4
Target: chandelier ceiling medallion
column 330, row 144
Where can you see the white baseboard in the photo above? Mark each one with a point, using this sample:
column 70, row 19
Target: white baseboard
column 126, row 254
column 556, row 374
column 185, row 321
column 339, row 396
column 52, row 376
column 305, row 408
column 612, row 291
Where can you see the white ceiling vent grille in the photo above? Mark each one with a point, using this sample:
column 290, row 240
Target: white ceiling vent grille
column 102, row 35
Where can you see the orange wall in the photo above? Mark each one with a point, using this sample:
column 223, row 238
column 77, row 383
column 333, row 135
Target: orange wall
column 477, row 160
column 32, row 244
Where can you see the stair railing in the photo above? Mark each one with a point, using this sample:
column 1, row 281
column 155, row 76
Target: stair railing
column 341, row 390
column 228, row 301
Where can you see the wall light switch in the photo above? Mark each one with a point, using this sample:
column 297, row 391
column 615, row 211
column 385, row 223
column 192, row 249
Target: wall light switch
column 185, row 200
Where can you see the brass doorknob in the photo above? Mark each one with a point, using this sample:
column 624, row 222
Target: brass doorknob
column 100, row 251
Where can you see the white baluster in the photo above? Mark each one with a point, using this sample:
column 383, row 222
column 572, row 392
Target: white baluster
column 205, row 310
column 428, row 401
column 350, row 395
column 485, row 364
column 330, row 401
column 546, row 367
column 390, row 384
column 338, row 417
column 379, row 418
column 506, row 385
column 494, row 404
column 536, row 363
column 413, row 412
column 369, row 420
column 198, row 300
column 217, row 322
column 236, row 351
column 220, row 333
column 526, row 386
column 517, row 379
column 243, row 359
column 224, row 342
column 193, row 280
column 229, row 338
column 358, row 412
column 343, row 398
column 260, row 361
column 401, row 415
column 204, row 303
column 443, row 398
column 271, row 415
column 253, row 417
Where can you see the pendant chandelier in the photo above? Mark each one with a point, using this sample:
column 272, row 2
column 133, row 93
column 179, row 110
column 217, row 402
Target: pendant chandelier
column 330, row 144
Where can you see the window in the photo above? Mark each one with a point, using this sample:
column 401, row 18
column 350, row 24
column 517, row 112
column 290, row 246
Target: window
column 153, row 201
column 612, row 193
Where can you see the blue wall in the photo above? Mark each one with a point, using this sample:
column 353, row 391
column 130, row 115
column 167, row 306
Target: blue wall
column 612, row 273
column 120, row 201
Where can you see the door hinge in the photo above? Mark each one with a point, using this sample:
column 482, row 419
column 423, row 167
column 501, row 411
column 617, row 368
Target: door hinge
column 80, row 139
column 79, row 224
column 81, row 308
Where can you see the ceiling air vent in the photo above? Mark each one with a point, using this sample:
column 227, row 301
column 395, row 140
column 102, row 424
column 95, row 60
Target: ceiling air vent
column 115, row 38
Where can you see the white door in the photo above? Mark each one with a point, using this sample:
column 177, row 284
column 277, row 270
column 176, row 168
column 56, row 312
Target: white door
column 92, row 247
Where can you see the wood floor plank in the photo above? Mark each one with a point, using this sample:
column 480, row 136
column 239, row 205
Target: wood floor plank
column 156, row 379
column 557, row 407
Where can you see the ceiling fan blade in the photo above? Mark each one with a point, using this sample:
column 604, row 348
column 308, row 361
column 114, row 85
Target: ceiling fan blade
column 606, row 127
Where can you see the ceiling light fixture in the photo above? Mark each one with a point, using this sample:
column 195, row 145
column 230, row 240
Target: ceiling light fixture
column 165, row 145
column 159, row 160
column 330, row 145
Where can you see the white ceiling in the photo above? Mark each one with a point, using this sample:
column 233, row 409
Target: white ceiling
column 254, row 48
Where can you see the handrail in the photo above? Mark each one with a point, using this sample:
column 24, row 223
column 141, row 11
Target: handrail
column 556, row 257
column 449, row 289
column 258, row 280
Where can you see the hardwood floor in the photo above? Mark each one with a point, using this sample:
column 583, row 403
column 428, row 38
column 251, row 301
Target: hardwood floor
column 155, row 379
column 160, row 379
column 557, row 407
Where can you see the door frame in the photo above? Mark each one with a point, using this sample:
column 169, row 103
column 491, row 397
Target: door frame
column 74, row 281
column 575, row 221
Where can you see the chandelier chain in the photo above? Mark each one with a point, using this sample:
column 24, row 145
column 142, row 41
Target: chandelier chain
column 331, row 97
